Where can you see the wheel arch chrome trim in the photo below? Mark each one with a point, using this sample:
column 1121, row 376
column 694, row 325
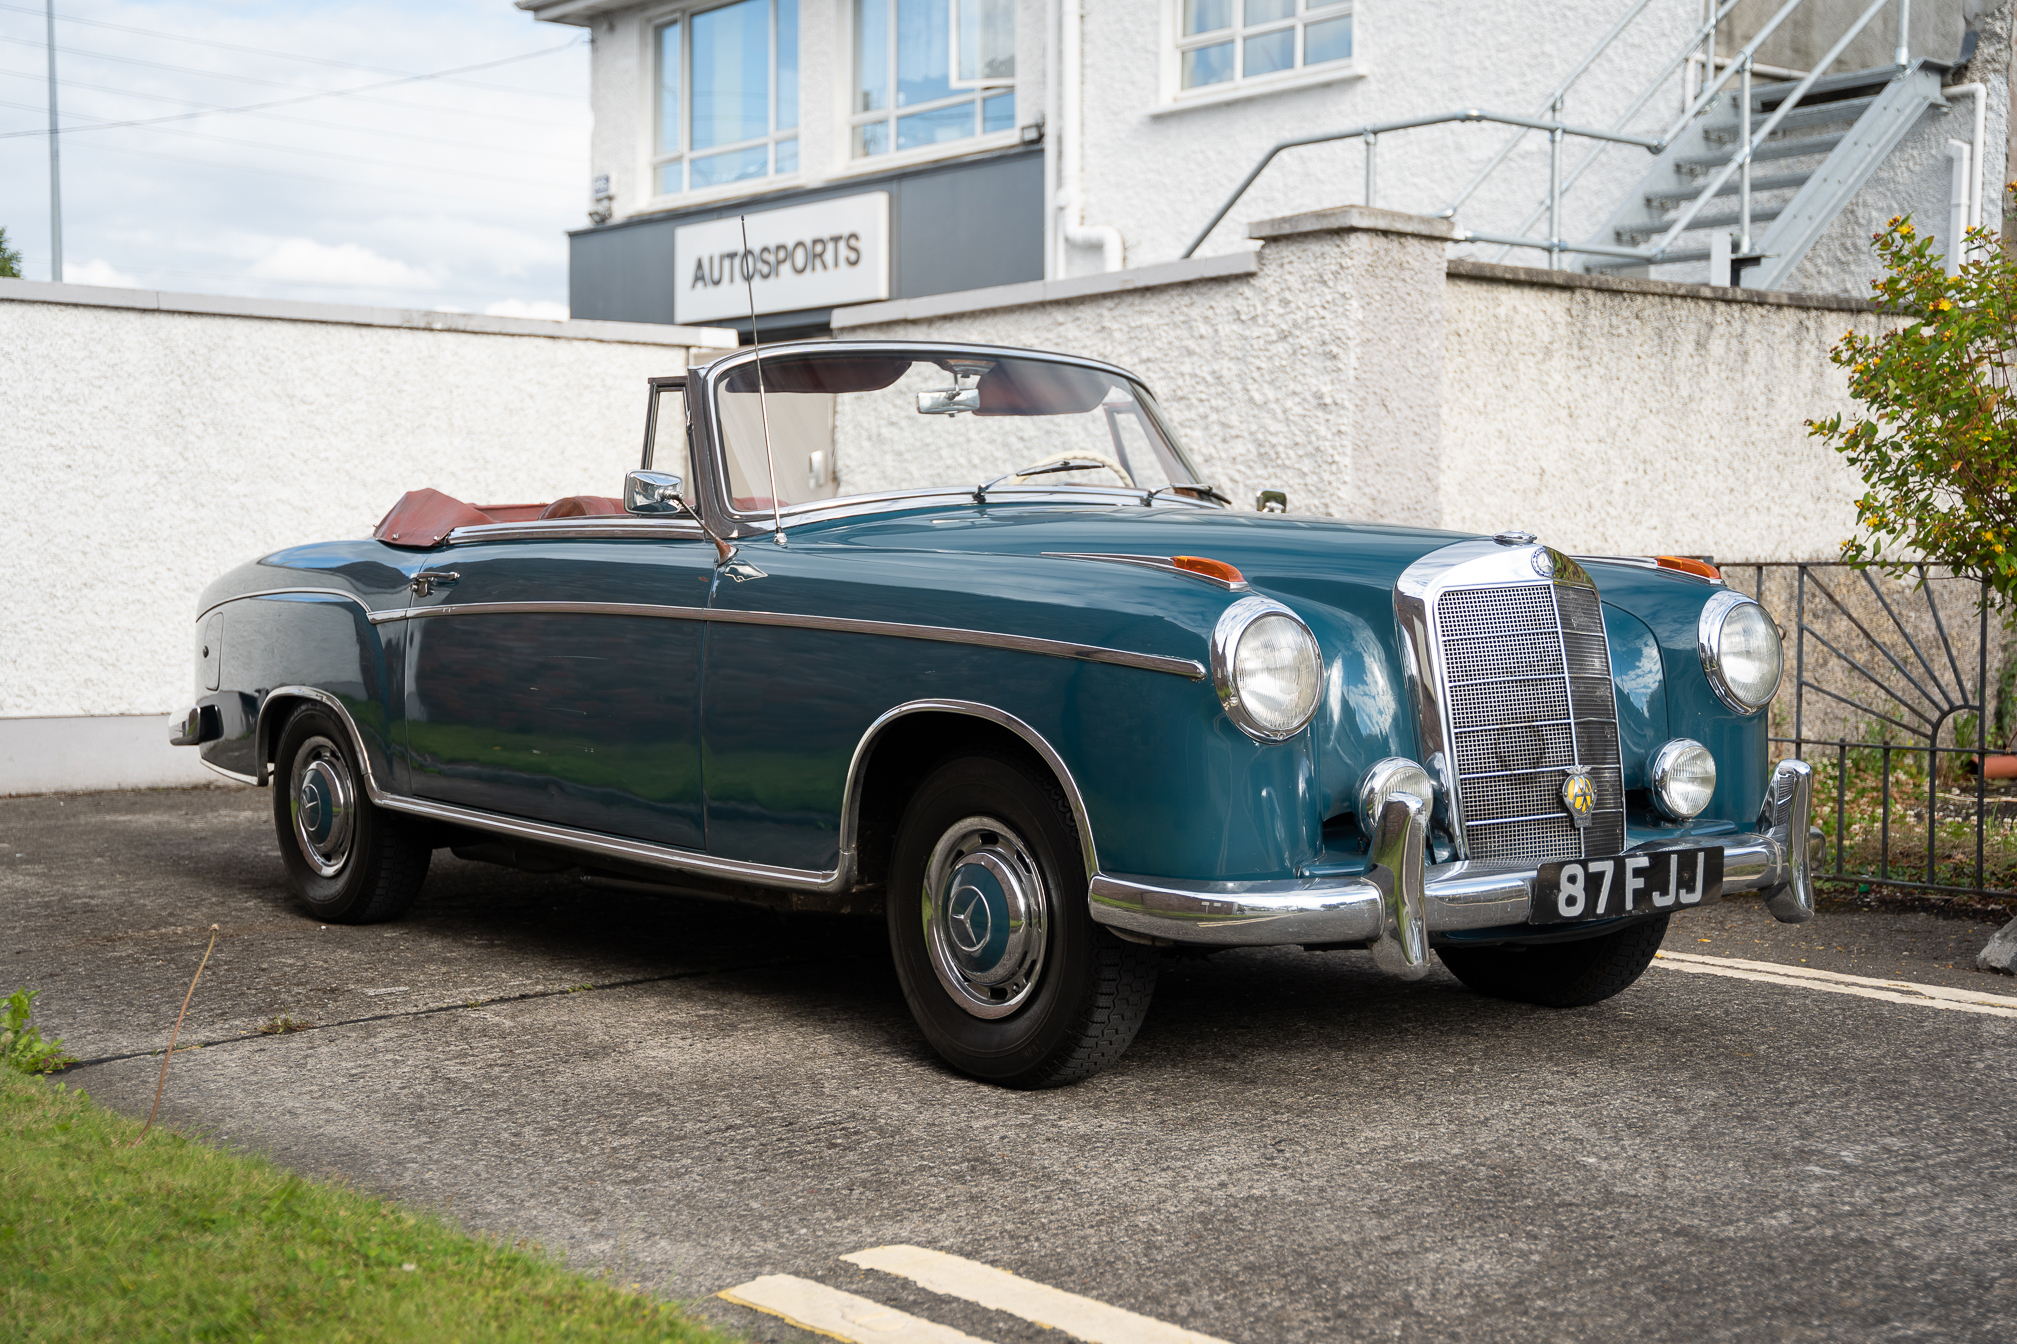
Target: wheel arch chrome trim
column 262, row 733
column 851, row 802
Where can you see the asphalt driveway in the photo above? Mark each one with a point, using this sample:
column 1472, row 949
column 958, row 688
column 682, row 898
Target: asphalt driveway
column 692, row 1095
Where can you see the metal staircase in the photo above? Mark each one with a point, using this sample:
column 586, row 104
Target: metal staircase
column 1815, row 160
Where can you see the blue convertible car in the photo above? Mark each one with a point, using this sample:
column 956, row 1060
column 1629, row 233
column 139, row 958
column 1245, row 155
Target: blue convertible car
column 957, row 632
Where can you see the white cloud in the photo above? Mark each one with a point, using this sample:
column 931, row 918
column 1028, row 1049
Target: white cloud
column 546, row 308
column 96, row 272
column 305, row 261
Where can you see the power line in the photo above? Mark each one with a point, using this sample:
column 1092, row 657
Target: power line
column 329, row 154
column 256, row 107
column 284, row 55
column 348, row 184
column 298, row 121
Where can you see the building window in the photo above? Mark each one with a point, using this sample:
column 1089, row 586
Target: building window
column 931, row 71
column 1223, row 41
column 727, row 95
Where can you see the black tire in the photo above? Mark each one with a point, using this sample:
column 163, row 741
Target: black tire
column 347, row 861
column 1070, row 995
column 1560, row 975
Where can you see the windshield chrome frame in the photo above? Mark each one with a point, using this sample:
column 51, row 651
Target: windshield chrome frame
column 711, row 458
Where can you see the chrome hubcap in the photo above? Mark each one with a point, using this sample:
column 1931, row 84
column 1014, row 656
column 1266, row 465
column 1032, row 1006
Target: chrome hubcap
column 325, row 806
column 986, row 913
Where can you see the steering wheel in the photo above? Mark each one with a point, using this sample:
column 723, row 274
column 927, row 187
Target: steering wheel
column 1107, row 462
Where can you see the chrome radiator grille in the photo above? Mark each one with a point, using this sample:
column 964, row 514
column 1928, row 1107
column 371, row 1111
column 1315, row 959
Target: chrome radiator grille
column 1526, row 675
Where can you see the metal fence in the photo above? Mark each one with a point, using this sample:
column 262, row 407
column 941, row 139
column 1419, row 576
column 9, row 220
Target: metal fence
column 1889, row 693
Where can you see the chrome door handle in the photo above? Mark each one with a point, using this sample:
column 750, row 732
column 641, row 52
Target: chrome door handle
column 427, row 580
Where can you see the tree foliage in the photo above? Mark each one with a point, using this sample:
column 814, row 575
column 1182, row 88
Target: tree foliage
column 1933, row 438
column 10, row 258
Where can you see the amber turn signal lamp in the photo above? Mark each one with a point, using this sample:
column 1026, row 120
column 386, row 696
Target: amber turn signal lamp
column 1699, row 568
column 1211, row 569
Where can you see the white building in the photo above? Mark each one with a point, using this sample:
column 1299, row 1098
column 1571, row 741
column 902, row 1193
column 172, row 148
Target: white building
column 901, row 148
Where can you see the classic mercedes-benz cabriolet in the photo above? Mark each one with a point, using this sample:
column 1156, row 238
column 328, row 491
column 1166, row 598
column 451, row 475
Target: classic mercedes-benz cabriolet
column 959, row 632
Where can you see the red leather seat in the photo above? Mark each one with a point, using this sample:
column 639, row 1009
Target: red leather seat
column 583, row 506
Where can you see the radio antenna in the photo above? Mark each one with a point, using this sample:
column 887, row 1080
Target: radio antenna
column 748, row 264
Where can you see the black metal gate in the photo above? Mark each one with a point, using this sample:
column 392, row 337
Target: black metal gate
column 1888, row 694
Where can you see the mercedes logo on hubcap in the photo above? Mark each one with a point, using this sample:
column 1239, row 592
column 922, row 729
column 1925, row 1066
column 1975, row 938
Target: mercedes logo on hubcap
column 967, row 916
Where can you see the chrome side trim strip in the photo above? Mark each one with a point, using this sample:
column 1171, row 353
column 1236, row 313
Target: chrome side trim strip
column 600, row 527
column 942, row 634
column 231, row 775
column 1456, row 896
column 284, row 592
column 631, row 851
column 838, row 880
column 1166, row 564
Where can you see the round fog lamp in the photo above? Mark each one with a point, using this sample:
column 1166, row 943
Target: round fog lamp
column 1684, row 778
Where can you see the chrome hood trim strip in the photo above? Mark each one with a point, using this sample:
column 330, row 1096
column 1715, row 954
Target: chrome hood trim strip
column 941, row 634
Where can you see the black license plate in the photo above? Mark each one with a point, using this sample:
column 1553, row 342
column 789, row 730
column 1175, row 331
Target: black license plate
column 1625, row 884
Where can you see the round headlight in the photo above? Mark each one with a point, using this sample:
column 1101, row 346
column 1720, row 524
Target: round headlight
column 1740, row 652
column 1267, row 668
column 1684, row 778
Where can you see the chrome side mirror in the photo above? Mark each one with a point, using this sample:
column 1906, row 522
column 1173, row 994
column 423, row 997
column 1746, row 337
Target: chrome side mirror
column 1271, row 501
column 653, row 493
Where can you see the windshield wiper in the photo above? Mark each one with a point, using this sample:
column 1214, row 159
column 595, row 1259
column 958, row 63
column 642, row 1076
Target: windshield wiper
column 1040, row 469
column 1198, row 489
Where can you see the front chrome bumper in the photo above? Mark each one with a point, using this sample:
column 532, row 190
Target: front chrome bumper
column 1393, row 908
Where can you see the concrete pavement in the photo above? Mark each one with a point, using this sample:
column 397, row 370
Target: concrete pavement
column 1294, row 1149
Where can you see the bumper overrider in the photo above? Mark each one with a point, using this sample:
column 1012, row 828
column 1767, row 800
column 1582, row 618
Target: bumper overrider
column 1400, row 902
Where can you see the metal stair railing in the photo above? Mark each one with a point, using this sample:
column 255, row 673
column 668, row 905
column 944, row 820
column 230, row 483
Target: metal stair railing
column 1713, row 86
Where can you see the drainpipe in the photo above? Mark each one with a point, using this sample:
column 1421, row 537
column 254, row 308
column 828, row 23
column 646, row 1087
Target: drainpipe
column 1964, row 208
column 1074, row 231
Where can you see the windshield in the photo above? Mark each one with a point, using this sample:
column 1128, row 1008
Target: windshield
column 864, row 423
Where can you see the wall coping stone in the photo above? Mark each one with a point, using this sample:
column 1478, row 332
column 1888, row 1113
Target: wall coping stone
column 1353, row 218
column 358, row 315
column 1632, row 284
column 1048, row 291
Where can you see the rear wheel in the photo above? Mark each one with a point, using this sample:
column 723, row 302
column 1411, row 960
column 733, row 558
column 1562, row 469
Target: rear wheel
column 1002, row 965
column 1560, row 975
column 348, row 861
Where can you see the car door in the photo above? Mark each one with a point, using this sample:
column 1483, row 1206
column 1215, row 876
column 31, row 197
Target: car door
column 553, row 673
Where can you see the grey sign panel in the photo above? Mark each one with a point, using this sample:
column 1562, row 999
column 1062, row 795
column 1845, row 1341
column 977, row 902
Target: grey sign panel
column 953, row 226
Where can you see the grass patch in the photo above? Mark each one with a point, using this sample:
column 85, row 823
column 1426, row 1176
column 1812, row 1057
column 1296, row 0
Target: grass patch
column 176, row 1240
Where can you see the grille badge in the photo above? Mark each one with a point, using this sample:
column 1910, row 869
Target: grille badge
column 1579, row 796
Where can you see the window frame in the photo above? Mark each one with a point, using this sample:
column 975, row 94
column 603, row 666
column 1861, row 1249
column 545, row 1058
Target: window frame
column 657, row 158
column 1238, row 32
column 976, row 93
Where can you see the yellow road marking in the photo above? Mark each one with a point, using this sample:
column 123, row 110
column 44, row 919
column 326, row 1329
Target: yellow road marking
column 1834, row 982
column 997, row 1289
column 829, row 1311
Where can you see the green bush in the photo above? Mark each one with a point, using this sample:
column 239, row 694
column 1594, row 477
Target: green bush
column 21, row 1046
column 10, row 259
column 1934, row 438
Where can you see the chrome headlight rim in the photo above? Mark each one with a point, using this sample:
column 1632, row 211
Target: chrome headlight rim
column 1661, row 772
column 1709, row 644
column 1232, row 624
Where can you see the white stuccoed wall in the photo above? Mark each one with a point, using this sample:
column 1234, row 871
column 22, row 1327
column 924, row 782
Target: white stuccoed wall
column 1355, row 369
column 149, row 442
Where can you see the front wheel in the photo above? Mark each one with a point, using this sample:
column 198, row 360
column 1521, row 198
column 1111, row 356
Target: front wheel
column 348, row 861
column 1002, row 965
column 1560, row 975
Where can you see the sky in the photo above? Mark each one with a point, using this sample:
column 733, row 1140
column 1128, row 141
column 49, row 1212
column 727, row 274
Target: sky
column 451, row 193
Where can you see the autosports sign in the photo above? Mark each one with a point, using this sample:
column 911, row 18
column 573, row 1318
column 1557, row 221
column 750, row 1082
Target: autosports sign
column 805, row 256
